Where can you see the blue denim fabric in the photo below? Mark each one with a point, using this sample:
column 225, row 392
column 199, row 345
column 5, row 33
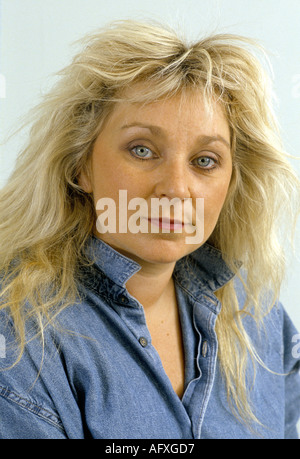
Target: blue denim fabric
column 98, row 379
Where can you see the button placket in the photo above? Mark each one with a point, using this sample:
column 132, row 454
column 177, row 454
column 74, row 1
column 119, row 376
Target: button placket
column 204, row 348
column 143, row 341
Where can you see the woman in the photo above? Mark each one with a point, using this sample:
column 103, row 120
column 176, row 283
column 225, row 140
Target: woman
column 122, row 323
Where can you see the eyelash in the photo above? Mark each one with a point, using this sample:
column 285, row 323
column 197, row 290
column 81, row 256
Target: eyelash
column 208, row 169
column 139, row 157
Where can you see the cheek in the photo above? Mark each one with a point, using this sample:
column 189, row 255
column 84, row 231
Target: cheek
column 106, row 179
column 109, row 180
column 214, row 200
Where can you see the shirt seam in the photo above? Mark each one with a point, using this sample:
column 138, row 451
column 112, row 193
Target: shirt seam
column 210, row 375
column 202, row 294
column 31, row 407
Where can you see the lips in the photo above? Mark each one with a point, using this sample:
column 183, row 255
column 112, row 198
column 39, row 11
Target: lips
column 167, row 223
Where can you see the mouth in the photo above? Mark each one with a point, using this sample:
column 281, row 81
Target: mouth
column 167, row 223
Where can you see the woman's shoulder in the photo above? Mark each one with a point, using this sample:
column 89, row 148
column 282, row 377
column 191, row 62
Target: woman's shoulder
column 274, row 333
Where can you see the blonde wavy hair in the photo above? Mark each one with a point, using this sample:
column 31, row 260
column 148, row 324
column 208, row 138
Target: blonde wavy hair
column 46, row 218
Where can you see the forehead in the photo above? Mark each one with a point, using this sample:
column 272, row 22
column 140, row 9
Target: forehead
column 187, row 110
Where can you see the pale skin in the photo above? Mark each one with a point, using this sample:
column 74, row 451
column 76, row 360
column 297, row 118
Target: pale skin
column 169, row 148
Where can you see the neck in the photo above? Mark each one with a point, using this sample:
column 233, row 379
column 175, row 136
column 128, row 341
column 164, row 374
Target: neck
column 152, row 285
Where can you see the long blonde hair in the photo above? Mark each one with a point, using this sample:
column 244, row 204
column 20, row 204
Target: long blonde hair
column 46, row 218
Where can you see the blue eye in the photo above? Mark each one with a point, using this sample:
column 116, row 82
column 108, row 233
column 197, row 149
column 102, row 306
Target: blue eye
column 205, row 162
column 142, row 152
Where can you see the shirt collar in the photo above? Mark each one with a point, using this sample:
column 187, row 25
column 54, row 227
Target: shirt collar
column 113, row 264
column 202, row 269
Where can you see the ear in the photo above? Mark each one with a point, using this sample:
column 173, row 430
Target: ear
column 85, row 182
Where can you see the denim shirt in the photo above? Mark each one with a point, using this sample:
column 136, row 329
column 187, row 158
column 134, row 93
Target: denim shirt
column 100, row 377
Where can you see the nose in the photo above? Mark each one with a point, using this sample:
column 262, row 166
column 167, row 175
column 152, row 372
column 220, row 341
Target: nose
column 173, row 180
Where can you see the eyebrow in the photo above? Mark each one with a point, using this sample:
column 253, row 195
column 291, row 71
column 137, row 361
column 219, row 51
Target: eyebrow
column 151, row 127
column 157, row 130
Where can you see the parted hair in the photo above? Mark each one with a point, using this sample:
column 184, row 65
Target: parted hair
column 46, row 217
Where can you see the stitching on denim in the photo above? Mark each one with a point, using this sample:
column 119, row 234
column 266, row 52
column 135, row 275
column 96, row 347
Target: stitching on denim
column 32, row 407
column 200, row 297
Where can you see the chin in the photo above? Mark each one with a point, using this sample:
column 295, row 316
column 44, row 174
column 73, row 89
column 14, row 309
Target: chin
column 161, row 258
column 162, row 252
column 164, row 249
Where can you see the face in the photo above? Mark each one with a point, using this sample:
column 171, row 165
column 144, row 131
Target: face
column 168, row 149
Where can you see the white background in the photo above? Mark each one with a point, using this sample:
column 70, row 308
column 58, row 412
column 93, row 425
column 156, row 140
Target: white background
column 36, row 39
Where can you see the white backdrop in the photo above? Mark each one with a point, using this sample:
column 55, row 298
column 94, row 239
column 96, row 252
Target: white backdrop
column 36, row 39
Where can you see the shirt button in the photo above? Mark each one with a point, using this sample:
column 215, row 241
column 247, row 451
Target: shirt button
column 204, row 348
column 143, row 342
